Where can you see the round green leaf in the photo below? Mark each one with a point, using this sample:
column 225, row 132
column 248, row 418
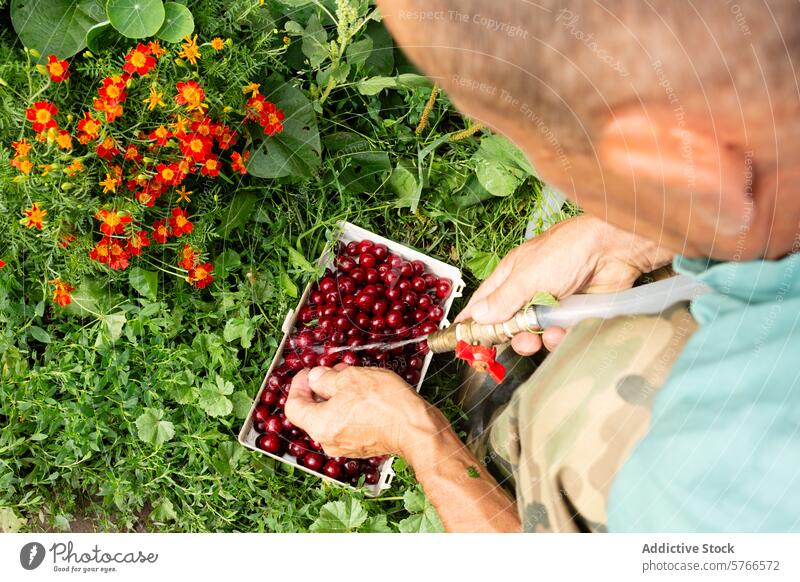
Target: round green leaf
column 178, row 23
column 55, row 27
column 136, row 18
column 102, row 36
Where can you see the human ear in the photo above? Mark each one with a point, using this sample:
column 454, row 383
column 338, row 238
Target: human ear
column 684, row 157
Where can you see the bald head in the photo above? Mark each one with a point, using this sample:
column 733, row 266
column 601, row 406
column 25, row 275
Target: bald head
column 674, row 120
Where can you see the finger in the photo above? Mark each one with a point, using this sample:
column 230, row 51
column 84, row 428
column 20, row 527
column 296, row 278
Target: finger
column 502, row 303
column 322, row 381
column 340, row 366
column 552, row 336
column 499, row 275
column 300, row 404
column 526, row 344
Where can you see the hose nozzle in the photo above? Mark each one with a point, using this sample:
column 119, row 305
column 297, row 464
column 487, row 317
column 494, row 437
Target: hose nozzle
column 483, row 334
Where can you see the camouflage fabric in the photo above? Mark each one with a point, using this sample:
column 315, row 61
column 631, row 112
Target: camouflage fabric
column 569, row 428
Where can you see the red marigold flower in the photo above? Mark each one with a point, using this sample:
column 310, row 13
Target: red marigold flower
column 272, row 119
column 89, row 126
column 132, row 153
column 107, row 148
column 239, row 163
column 211, row 166
column 113, row 89
column 160, row 231
column 61, row 294
column 196, row 147
column 66, row 239
column 2, row 263
column 167, row 174
column 34, row 216
column 112, row 221
column 111, row 109
column 161, row 134
column 226, row 138
column 187, row 257
column 200, row 276
column 41, row 114
column 190, row 94
column 101, row 251
column 137, row 242
column 118, row 256
column 57, row 69
column 139, row 60
column 179, row 222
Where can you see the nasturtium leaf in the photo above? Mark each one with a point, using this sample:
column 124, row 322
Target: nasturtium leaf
column 481, row 263
column 178, row 22
column 543, row 298
column 315, row 42
column 163, row 511
column 152, row 427
column 102, row 36
column 424, row 518
column 226, row 262
column 343, row 515
column 145, row 282
column 296, row 150
column 136, row 18
column 39, row 334
column 404, row 181
column 213, row 397
column 55, row 26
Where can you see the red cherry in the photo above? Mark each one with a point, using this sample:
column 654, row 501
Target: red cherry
column 411, row 376
column 345, row 263
column 328, row 360
column 418, row 285
column 394, row 319
column 259, row 427
column 271, row 442
column 306, row 314
column 415, row 362
column 362, row 320
column 332, row 469
column 420, row 315
column 332, row 297
column 377, row 323
column 327, row 284
column 346, row 285
column 308, row 357
column 287, row 424
column 376, row 461
column 281, row 401
column 353, row 342
column 316, row 298
column 261, row 413
column 381, row 251
column 274, row 382
column 328, row 311
column 371, row 476
column 365, row 300
column 358, row 275
column 443, row 288
column 380, row 307
column 313, row 461
column 428, row 327
column 349, row 300
column 372, row 276
column 398, row 306
column 292, row 360
column 394, row 261
column 394, row 293
column 343, row 323
column 319, row 334
column 384, row 268
column 406, row 269
column 350, row 358
column 367, row 260
column 297, row 433
column 351, row 466
column 410, row 298
column 436, row 314
column 391, row 278
column 425, row 302
column 298, row 447
column 273, row 423
column 352, row 248
column 419, row 267
column 365, row 246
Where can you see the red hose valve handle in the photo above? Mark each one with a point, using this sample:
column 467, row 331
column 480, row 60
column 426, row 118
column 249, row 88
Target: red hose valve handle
column 482, row 359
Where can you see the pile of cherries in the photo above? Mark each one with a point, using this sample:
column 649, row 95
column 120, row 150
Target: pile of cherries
column 371, row 296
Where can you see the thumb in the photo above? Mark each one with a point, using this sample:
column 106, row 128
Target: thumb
column 502, row 303
column 300, row 406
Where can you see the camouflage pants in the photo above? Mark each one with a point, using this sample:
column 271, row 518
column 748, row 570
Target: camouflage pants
column 569, row 428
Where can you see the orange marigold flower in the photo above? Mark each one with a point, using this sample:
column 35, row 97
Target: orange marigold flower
column 155, row 99
column 113, row 89
column 196, row 147
column 46, row 168
column 187, row 257
column 41, row 114
column 226, row 138
column 272, row 119
column 217, row 43
column 191, row 94
column 156, row 49
column 179, row 127
column 180, row 223
column 65, row 239
column 111, row 109
column 166, row 173
column 118, row 258
column 22, row 147
column 137, row 242
column 211, row 166
column 61, row 294
column 132, row 153
column 74, row 167
column 190, row 52
column 251, row 88
column 34, row 216
column 57, row 69
column 112, row 222
column 89, row 125
column 109, row 184
column 101, row 251
column 64, row 140
column 139, row 60
column 160, row 231
column 239, row 162
column 22, row 163
column 200, row 276
column 107, row 148
column 183, row 195
column 160, row 134
column 254, row 107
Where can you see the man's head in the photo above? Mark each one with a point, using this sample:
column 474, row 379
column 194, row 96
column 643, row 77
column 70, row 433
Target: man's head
column 678, row 121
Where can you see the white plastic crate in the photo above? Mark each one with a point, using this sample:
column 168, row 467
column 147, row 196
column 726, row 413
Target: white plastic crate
column 351, row 232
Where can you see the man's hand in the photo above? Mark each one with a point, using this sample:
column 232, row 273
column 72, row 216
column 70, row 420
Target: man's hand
column 358, row 412
column 580, row 255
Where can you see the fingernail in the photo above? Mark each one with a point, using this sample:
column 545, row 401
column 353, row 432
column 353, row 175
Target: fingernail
column 316, row 373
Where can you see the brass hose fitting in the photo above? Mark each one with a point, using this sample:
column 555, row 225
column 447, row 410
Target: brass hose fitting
column 483, row 334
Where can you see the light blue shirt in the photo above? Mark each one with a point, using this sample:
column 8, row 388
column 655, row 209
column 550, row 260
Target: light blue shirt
column 723, row 450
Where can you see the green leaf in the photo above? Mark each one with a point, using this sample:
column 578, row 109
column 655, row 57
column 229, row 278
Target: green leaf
column 374, row 85
column 299, row 262
column 239, row 212
column 500, row 166
column 153, row 429
column 213, row 397
column 358, row 52
column 87, row 297
column 55, row 26
column 102, row 36
column 226, row 262
column 163, row 511
column 136, row 18
column 10, row 522
column 61, row 523
column 39, row 334
column 114, row 323
column 381, row 59
column 287, row 284
column 481, row 263
column 424, row 518
column 178, row 23
column 296, row 150
column 404, row 181
column 241, row 329
column 344, row 515
column 543, row 298
column 376, row 524
column 241, row 403
column 315, row 42
column 145, row 282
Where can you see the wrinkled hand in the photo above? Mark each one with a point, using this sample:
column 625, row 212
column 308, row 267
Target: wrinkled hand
column 356, row 412
column 580, row 255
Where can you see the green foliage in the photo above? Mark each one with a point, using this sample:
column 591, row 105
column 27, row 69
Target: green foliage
column 136, row 18
column 55, row 26
column 178, row 23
